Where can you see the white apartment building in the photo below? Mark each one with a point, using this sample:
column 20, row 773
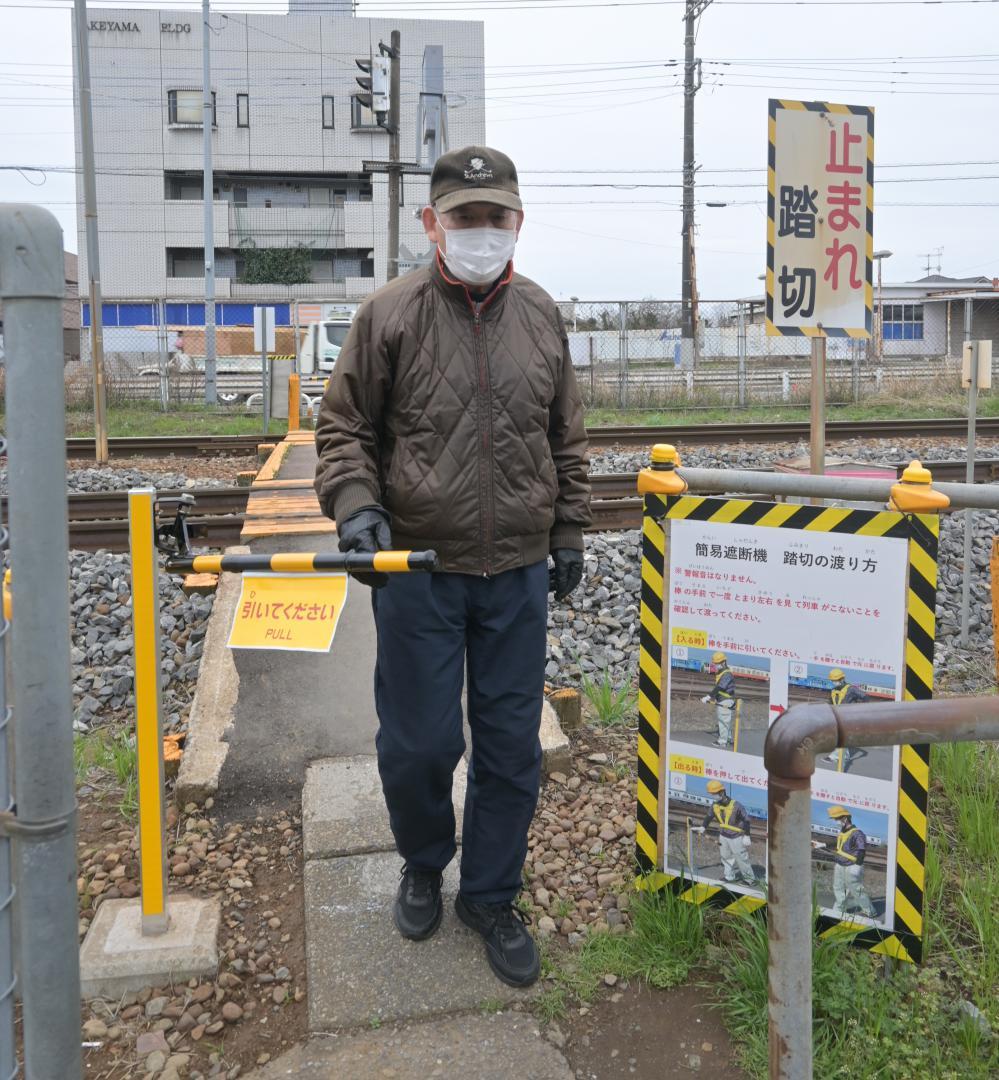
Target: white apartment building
column 290, row 142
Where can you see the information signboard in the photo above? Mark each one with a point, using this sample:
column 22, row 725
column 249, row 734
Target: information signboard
column 820, row 219
column 747, row 609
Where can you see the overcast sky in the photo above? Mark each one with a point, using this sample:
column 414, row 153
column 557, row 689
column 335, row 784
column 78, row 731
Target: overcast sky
column 595, row 86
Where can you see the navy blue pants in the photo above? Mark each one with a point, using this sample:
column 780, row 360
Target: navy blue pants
column 429, row 626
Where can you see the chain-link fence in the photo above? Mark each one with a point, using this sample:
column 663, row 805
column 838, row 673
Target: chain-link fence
column 630, row 354
column 627, row 354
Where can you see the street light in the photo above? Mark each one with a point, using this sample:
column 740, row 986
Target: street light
column 575, row 301
column 879, row 255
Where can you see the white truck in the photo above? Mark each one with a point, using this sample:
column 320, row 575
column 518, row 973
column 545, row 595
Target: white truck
column 321, row 343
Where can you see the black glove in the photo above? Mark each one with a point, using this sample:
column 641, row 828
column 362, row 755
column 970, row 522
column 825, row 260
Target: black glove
column 365, row 532
column 568, row 572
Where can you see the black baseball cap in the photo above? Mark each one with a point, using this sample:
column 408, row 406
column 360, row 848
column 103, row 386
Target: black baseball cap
column 474, row 174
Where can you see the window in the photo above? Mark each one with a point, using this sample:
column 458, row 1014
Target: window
column 327, row 112
column 362, row 117
column 239, row 196
column 187, row 107
column 902, row 322
column 319, row 196
column 243, row 110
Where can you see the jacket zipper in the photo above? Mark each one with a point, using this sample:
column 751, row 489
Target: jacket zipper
column 485, row 441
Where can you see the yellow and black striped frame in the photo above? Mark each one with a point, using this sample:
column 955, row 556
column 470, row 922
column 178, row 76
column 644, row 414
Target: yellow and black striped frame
column 867, row 114
column 904, row 940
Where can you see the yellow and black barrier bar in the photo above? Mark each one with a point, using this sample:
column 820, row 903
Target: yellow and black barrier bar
column 904, row 940
column 381, row 562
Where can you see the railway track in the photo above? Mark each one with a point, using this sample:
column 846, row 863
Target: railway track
column 600, row 438
column 163, row 445
column 788, row 431
column 100, row 519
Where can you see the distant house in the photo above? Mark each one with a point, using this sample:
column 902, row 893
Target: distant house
column 70, row 313
column 923, row 318
column 926, row 317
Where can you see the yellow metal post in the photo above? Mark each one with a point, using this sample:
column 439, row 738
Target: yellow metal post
column 148, row 715
column 294, row 402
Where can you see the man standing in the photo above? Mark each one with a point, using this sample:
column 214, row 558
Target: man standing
column 844, row 693
column 723, row 695
column 848, row 858
column 453, row 422
column 734, row 841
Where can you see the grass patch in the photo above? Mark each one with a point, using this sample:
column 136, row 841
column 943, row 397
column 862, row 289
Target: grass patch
column 612, row 705
column 104, row 758
column 894, row 407
column 139, row 418
column 665, row 942
column 864, row 1026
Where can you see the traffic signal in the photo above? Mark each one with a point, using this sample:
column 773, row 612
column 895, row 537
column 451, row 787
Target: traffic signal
column 375, row 86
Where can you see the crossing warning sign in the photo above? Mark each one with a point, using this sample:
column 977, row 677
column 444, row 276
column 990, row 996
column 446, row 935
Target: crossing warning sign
column 820, row 219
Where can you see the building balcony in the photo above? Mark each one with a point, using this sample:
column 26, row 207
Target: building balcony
column 194, row 287
column 286, row 226
column 184, row 223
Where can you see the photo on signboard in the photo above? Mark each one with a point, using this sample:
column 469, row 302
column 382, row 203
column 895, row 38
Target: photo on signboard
column 717, row 832
column 719, row 698
column 850, row 861
column 842, row 685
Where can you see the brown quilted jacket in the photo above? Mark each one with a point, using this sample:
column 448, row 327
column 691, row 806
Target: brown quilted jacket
column 463, row 420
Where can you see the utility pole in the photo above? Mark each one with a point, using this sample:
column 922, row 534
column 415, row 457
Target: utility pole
column 381, row 84
column 93, row 246
column 208, row 117
column 395, row 172
column 691, row 84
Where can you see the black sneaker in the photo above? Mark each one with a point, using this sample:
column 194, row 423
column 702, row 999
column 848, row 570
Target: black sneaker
column 511, row 951
column 418, row 908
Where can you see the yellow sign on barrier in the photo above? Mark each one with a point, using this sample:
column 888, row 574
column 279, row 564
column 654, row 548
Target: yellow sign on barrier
column 297, row 612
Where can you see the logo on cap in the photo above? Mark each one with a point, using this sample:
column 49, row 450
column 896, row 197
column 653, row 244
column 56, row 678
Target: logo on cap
column 478, row 170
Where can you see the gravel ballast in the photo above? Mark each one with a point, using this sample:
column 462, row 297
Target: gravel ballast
column 101, row 651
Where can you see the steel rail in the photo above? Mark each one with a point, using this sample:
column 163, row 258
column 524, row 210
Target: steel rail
column 600, row 437
column 165, row 445
column 113, row 505
column 789, row 431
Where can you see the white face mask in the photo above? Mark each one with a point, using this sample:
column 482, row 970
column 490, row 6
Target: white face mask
column 478, row 256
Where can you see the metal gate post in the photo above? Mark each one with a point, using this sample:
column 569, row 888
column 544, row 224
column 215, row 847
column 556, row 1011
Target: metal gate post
column 622, row 345
column 163, row 344
column 789, row 927
column 741, row 349
column 8, row 1055
column 32, row 287
column 793, row 742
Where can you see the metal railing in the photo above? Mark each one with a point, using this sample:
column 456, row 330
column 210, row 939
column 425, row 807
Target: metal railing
column 793, row 743
column 31, row 287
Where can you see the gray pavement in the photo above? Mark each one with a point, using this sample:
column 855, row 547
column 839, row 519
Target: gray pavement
column 503, row 1046
column 361, row 971
column 344, row 812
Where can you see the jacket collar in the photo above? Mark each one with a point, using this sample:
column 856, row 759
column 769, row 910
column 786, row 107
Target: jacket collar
column 459, row 292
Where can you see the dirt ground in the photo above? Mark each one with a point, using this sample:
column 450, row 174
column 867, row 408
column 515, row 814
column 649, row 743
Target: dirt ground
column 645, row 1034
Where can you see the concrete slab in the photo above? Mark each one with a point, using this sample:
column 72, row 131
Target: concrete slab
column 555, row 753
column 295, row 707
column 115, row 956
column 503, row 1046
column 215, row 694
column 360, row 968
column 343, row 810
